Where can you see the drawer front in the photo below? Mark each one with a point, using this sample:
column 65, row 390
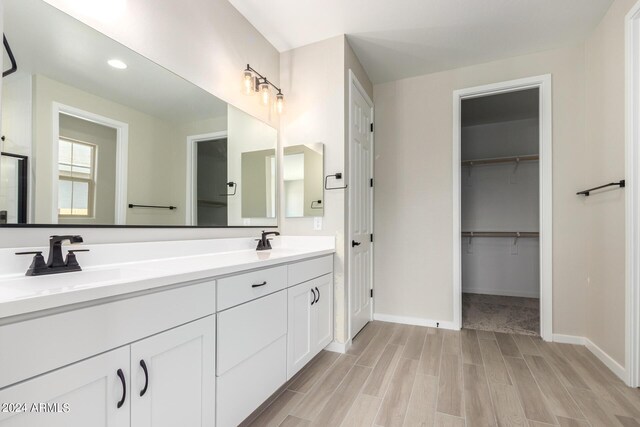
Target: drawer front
column 71, row 336
column 241, row 288
column 306, row 270
column 244, row 388
column 245, row 330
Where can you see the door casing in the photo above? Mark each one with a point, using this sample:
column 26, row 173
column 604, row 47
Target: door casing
column 543, row 83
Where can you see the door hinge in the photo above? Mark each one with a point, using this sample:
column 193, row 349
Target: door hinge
column 371, row 182
column 371, row 126
column 371, row 293
column 371, row 237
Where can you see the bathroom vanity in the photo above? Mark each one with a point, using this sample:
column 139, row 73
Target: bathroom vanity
column 196, row 340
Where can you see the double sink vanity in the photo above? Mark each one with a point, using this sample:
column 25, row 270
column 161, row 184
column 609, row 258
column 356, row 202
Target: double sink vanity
column 163, row 334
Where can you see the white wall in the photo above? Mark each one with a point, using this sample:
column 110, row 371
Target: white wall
column 205, row 41
column 605, row 162
column 245, row 134
column 497, row 266
column 413, row 199
column 316, row 112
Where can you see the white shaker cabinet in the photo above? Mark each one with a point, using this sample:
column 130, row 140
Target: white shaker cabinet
column 310, row 329
column 173, row 377
column 96, row 391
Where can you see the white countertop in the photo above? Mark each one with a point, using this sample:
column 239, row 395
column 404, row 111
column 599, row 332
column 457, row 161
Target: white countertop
column 20, row 294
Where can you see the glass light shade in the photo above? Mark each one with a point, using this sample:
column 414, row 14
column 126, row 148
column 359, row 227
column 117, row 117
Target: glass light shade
column 264, row 93
column 248, row 80
column 279, row 103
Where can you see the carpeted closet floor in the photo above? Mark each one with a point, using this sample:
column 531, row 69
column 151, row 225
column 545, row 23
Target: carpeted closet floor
column 512, row 315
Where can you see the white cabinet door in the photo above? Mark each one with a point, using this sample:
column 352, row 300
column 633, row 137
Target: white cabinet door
column 300, row 330
column 92, row 392
column 323, row 316
column 178, row 387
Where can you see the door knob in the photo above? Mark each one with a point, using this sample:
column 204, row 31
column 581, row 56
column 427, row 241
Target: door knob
column 354, row 243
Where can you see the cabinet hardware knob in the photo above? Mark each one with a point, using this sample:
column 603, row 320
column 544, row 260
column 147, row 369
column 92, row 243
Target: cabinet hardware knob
column 318, row 291
column 146, row 377
column 257, row 285
column 124, row 388
column 313, row 301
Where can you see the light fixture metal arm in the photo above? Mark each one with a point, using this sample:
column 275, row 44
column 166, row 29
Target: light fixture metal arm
column 266, row 80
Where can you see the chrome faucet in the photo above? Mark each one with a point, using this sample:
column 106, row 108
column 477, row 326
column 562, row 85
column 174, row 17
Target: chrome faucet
column 55, row 263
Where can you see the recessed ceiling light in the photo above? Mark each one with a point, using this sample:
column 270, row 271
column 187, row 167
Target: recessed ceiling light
column 116, row 63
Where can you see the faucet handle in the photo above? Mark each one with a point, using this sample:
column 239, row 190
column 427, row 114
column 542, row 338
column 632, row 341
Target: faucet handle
column 71, row 260
column 37, row 265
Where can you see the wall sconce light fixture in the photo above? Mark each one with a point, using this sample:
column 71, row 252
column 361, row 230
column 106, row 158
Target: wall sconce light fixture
column 253, row 82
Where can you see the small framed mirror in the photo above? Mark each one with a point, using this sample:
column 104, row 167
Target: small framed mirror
column 303, row 171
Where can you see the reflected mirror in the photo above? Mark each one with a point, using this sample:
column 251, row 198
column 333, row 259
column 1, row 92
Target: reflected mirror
column 96, row 134
column 303, row 172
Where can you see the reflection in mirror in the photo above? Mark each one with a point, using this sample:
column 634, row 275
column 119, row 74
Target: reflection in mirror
column 90, row 141
column 303, row 180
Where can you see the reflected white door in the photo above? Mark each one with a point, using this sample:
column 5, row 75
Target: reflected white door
column 360, row 207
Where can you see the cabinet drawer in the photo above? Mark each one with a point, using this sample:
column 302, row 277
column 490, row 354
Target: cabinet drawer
column 71, row 336
column 306, row 270
column 245, row 387
column 245, row 330
column 241, row 288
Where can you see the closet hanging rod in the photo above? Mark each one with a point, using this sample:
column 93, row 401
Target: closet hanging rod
column 586, row 193
column 500, row 234
column 516, row 159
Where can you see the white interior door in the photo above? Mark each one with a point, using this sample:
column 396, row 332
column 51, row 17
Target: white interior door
column 360, row 206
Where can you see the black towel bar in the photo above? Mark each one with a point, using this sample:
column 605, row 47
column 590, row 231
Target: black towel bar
column 336, row 176
column 586, row 193
column 131, row 205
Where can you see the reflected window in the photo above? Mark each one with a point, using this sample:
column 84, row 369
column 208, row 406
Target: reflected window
column 76, row 178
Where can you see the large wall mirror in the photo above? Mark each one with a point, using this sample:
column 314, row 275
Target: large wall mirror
column 303, row 171
column 95, row 134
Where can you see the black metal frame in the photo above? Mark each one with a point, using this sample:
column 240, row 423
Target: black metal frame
column 586, row 193
column 23, row 186
column 14, row 64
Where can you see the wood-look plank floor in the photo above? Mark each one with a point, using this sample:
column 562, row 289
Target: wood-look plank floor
column 405, row 376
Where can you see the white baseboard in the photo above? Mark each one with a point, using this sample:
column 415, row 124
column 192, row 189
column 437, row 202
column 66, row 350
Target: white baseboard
column 501, row 292
column 418, row 321
column 569, row 339
column 608, row 361
column 338, row 347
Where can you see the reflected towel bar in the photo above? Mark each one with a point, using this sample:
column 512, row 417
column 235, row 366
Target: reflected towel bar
column 586, row 193
column 131, row 205
column 233, row 185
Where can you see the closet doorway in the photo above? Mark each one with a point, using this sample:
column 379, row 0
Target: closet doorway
column 502, row 207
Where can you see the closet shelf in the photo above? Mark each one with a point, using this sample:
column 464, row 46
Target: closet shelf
column 500, row 234
column 514, row 159
column 212, row 203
